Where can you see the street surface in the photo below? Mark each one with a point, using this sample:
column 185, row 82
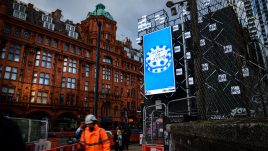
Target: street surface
column 134, row 147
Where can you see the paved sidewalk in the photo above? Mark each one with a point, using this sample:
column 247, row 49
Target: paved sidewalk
column 133, row 147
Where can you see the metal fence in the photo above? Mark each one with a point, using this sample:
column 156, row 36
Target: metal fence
column 153, row 123
column 32, row 130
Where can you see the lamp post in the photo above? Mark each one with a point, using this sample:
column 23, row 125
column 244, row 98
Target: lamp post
column 96, row 86
column 195, row 46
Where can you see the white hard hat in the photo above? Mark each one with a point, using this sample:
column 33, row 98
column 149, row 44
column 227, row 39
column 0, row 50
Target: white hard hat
column 90, row 119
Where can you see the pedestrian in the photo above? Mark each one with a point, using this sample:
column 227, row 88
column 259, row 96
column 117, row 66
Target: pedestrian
column 10, row 135
column 79, row 130
column 94, row 138
column 126, row 138
column 118, row 138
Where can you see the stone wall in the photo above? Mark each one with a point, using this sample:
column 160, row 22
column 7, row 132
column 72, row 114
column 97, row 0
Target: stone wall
column 224, row 135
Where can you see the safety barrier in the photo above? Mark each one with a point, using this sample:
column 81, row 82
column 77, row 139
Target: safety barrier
column 152, row 148
column 72, row 147
column 134, row 138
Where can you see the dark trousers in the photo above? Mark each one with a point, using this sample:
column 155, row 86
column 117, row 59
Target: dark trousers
column 118, row 148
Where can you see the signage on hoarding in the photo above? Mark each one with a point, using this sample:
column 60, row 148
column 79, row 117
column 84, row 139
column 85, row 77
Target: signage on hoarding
column 159, row 74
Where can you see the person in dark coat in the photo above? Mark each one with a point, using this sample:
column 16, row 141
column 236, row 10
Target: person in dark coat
column 126, row 138
column 10, row 135
column 118, row 139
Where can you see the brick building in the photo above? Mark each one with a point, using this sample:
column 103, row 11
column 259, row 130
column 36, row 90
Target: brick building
column 47, row 67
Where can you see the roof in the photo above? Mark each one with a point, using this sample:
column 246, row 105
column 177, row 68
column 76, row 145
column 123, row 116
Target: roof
column 100, row 11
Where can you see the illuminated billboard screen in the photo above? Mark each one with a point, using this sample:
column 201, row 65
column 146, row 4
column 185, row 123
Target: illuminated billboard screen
column 158, row 62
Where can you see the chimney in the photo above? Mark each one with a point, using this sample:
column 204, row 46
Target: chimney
column 30, row 6
column 57, row 15
column 3, row 7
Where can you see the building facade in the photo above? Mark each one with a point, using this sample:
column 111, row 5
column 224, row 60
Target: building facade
column 47, row 67
column 253, row 14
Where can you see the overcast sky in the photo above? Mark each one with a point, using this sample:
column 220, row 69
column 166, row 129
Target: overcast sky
column 125, row 12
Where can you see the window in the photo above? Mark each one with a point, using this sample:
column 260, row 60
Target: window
column 63, row 80
column 46, row 59
column 128, row 93
column 87, row 70
column 102, row 89
column 47, row 22
column 117, row 62
column 108, row 25
column 78, row 50
column 71, row 31
column 47, row 79
column 86, row 86
column 107, row 87
column 47, row 41
column 116, row 76
column 71, row 83
column 61, row 98
column 72, row 66
column 121, row 77
column 19, row 11
column 65, row 64
column 116, row 90
column 73, row 34
column 55, row 43
column 17, row 32
column 8, row 92
column 3, row 53
column 19, row 14
column 48, row 25
column 70, row 27
column 23, row 57
column 39, row 39
column 70, row 99
column 7, row 29
column 87, row 53
column 65, row 46
column 103, row 73
column 11, row 73
column 14, row 53
column 108, row 74
column 42, row 97
column 26, row 35
column 107, row 36
column 86, row 102
column 107, row 60
column 32, row 96
column 128, row 79
column 18, row 95
column 72, row 48
column 37, row 58
column 21, row 74
column 44, row 78
column 35, row 77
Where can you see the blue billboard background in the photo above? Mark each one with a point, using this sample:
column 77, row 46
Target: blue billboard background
column 158, row 62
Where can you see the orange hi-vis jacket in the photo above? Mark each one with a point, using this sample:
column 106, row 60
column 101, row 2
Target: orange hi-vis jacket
column 96, row 140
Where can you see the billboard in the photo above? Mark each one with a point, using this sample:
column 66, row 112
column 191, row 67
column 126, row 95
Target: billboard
column 158, row 62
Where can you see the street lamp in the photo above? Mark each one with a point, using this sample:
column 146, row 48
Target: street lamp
column 96, row 86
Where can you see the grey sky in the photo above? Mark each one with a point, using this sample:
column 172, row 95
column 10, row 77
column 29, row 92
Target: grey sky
column 125, row 12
